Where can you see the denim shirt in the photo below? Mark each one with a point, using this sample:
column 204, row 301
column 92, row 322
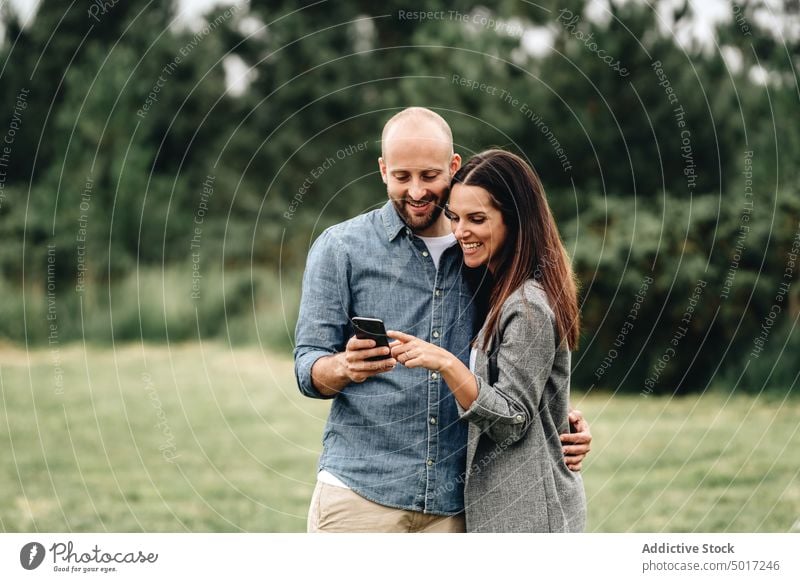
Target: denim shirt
column 395, row 439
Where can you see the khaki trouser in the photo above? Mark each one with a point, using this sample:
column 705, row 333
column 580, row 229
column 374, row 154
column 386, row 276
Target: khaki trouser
column 336, row 509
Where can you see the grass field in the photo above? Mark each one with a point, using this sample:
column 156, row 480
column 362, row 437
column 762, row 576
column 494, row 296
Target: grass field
column 199, row 437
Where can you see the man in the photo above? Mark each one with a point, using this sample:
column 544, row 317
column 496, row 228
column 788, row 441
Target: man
column 394, row 447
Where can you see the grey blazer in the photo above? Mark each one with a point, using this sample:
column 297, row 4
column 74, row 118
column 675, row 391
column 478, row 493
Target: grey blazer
column 516, row 478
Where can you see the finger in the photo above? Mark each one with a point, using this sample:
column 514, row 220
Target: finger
column 579, row 426
column 575, row 465
column 414, row 361
column 399, row 335
column 361, row 376
column 583, row 444
column 399, row 348
column 359, row 344
column 409, row 352
column 395, row 343
column 577, row 422
column 575, row 451
column 575, row 438
column 376, row 366
column 388, row 364
column 361, row 355
column 406, row 350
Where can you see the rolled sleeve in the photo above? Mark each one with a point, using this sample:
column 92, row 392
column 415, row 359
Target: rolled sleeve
column 323, row 320
column 503, row 410
column 303, row 362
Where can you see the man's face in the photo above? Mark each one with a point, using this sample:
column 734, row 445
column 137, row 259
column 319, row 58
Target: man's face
column 416, row 167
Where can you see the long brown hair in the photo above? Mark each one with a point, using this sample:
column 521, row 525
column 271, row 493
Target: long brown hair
column 533, row 248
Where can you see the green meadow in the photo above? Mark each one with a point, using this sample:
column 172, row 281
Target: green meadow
column 204, row 437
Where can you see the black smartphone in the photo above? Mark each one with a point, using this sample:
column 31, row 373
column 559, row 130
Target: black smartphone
column 371, row 328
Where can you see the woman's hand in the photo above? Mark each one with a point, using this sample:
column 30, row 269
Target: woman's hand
column 412, row 352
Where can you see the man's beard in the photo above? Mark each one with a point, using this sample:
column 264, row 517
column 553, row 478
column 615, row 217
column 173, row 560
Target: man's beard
column 421, row 222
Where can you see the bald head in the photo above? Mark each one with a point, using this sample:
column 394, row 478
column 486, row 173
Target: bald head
column 419, row 122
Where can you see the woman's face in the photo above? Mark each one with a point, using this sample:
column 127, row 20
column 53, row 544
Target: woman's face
column 477, row 225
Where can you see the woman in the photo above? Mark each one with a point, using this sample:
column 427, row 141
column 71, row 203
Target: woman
column 516, row 393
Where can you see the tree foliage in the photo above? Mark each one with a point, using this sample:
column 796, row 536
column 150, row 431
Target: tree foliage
column 646, row 146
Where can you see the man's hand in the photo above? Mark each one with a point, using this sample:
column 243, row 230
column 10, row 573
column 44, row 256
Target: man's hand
column 354, row 359
column 332, row 374
column 578, row 442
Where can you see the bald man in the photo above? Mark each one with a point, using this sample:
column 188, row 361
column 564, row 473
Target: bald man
column 393, row 456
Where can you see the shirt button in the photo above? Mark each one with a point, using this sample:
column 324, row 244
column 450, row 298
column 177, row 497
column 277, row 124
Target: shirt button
column 519, row 418
column 424, row 253
column 408, row 231
column 435, row 334
column 433, row 420
column 438, row 292
column 430, row 462
column 434, row 375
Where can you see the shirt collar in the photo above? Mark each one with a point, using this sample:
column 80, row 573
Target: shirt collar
column 392, row 222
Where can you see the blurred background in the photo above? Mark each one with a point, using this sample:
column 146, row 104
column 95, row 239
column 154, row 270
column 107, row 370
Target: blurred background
column 165, row 166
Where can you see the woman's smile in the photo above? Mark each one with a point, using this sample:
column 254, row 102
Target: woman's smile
column 471, row 248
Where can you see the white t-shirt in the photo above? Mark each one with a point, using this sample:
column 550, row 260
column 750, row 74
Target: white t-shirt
column 331, row 479
column 437, row 245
